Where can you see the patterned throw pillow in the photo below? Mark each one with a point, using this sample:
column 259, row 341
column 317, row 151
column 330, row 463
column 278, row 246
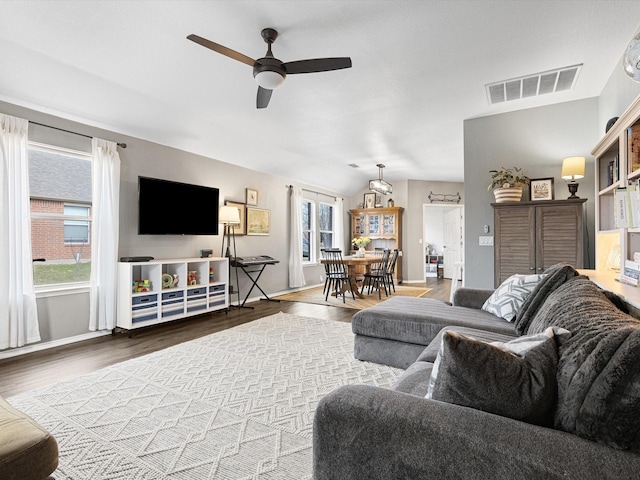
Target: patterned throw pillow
column 516, row 379
column 510, row 295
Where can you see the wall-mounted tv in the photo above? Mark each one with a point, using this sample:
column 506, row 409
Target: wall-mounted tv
column 173, row 208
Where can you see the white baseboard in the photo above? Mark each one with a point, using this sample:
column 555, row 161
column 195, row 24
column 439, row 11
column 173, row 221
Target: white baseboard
column 36, row 347
column 272, row 295
column 14, row 352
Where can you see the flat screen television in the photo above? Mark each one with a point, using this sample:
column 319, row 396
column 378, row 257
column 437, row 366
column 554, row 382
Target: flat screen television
column 173, row 208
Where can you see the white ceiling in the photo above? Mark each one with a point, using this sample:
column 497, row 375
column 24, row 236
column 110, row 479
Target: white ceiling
column 419, row 69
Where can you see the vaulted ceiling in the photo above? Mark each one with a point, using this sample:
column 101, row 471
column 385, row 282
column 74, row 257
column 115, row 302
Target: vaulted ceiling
column 419, row 69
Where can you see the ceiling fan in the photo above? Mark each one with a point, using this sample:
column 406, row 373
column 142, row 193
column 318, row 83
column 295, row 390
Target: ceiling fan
column 270, row 72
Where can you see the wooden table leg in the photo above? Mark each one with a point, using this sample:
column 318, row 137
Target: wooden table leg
column 347, row 287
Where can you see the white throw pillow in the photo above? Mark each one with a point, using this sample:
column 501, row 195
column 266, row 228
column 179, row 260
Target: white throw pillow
column 510, row 295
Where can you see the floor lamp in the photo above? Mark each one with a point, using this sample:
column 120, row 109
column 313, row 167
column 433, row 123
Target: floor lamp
column 230, row 217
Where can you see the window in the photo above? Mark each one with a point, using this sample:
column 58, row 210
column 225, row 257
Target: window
column 317, row 229
column 325, row 217
column 60, row 191
column 308, row 235
column 76, row 231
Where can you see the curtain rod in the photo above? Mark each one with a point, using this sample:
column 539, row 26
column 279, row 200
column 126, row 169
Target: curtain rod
column 317, row 193
column 121, row 145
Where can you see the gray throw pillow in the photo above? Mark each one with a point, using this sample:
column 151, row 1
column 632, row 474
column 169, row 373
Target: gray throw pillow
column 514, row 379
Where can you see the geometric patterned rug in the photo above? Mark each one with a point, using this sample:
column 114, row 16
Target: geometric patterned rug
column 237, row 404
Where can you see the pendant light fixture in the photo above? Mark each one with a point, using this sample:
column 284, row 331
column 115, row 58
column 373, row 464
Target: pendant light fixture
column 379, row 185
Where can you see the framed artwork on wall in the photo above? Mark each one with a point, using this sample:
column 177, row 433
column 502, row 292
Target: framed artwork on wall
column 239, row 229
column 252, row 196
column 541, row 189
column 369, row 200
column 258, row 221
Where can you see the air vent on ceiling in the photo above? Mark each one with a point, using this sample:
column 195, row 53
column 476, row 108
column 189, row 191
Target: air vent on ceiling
column 559, row 80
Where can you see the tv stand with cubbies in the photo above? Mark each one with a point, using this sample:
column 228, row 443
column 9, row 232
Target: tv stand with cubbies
column 160, row 291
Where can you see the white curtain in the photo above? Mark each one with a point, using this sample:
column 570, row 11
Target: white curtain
column 296, row 272
column 18, row 312
column 338, row 228
column 104, row 235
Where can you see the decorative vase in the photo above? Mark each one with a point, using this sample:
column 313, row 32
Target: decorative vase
column 508, row 194
column 361, row 252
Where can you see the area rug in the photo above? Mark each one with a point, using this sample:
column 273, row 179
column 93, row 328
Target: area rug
column 237, row 404
column 315, row 295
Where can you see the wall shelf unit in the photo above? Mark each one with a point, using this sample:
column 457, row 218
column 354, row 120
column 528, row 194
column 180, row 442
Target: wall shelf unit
column 434, row 266
column 383, row 226
column 160, row 291
column 617, row 167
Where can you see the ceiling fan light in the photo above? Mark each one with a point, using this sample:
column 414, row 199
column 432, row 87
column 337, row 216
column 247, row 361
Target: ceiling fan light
column 269, row 80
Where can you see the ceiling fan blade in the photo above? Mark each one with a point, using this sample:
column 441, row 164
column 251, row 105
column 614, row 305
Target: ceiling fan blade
column 222, row 49
column 264, row 95
column 317, row 65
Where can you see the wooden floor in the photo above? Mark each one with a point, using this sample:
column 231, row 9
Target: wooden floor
column 25, row 372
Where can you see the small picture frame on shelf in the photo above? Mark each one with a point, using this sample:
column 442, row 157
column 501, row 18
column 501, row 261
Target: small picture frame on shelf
column 369, row 200
column 252, row 196
column 541, row 189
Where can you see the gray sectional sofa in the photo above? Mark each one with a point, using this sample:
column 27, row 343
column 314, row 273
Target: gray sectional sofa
column 593, row 429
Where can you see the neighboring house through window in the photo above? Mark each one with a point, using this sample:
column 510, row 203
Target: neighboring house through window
column 60, row 192
column 76, row 231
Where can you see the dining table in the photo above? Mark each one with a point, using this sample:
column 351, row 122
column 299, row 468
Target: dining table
column 353, row 262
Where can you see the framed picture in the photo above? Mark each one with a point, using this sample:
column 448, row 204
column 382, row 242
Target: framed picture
column 541, row 189
column 252, row 196
column 369, row 200
column 258, row 221
column 239, row 229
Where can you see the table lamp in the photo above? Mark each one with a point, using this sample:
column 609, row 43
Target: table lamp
column 229, row 216
column 573, row 168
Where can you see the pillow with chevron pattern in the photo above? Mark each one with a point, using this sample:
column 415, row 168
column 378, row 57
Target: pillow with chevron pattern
column 510, row 295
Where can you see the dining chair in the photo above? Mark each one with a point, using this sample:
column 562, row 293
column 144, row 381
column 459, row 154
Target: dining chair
column 391, row 270
column 376, row 277
column 338, row 275
column 327, row 270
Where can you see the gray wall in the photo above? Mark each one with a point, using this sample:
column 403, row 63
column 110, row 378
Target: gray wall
column 413, row 226
column 616, row 96
column 537, row 140
column 64, row 316
column 411, row 195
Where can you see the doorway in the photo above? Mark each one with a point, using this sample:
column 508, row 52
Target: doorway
column 443, row 241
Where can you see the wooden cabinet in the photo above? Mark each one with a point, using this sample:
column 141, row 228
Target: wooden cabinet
column 617, row 167
column 383, row 226
column 532, row 236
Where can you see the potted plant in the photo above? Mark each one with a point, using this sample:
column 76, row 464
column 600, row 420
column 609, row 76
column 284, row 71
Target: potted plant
column 360, row 243
column 507, row 184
